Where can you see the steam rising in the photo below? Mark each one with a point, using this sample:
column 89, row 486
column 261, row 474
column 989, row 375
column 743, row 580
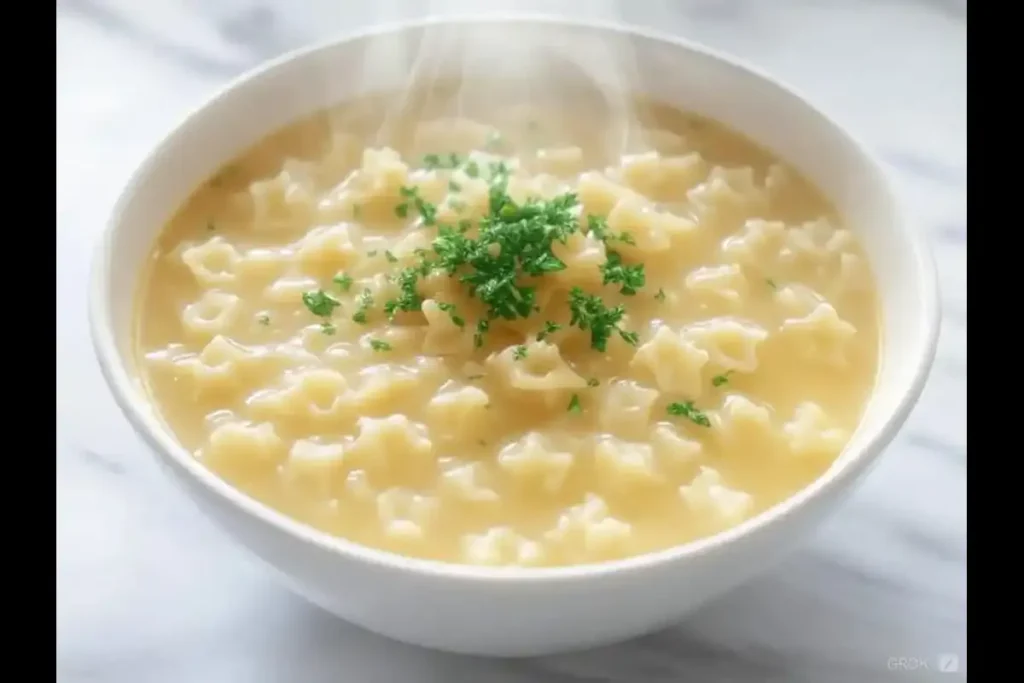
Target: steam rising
column 479, row 68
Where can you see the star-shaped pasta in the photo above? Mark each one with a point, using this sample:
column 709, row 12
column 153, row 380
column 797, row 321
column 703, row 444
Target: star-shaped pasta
column 391, row 438
column 241, row 446
column 465, row 481
column 625, row 408
column 501, row 546
column 675, row 364
column 540, row 368
column 624, row 464
column 314, row 393
column 707, row 494
column 532, row 459
column 811, row 434
column 214, row 262
column 214, row 313
column 724, row 282
column 821, row 334
column 731, row 344
column 405, row 514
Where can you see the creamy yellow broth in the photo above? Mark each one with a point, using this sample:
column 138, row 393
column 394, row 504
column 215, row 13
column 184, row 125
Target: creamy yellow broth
column 735, row 377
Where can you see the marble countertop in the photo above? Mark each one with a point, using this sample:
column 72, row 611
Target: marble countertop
column 148, row 591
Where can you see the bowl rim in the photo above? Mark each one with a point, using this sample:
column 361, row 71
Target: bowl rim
column 123, row 386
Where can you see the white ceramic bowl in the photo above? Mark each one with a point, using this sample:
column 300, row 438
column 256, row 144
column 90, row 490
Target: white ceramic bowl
column 510, row 612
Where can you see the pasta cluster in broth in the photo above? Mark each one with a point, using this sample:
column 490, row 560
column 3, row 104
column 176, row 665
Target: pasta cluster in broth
column 496, row 340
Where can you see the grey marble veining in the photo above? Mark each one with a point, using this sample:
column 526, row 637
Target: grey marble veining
column 149, row 592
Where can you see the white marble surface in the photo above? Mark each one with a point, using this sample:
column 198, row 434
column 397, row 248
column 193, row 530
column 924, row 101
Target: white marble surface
column 148, row 591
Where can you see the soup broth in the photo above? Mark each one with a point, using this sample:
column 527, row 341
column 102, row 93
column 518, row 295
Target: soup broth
column 529, row 335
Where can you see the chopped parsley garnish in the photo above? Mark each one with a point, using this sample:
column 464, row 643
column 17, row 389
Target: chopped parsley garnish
column 590, row 314
column 660, row 296
column 597, row 227
column 499, row 259
column 771, row 283
column 379, row 345
column 412, row 199
column 211, row 226
column 328, row 328
column 690, row 412
column 574, row 404
column 263, row 319
column 320, row 303
column 343, row 281
column 549, row 329
column 593, row 382
column 482, row 326
column 473, row 378
column 442, row 161
column 371, row 253
column 365, row 302
column 450, row 310
column 631, row 278
column 719, row 380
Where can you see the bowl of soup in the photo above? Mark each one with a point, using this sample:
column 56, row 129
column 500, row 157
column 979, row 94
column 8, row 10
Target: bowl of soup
column 512, row 336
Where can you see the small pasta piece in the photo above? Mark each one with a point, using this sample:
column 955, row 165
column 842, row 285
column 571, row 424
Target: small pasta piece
column 707, row 494
column 724, row 282
column 675, row 364
column 651, row 231
column 625, row 409
column 809, row 433
column 212, row 263
column 500, row 546
column 542, row 368
column 237, row 446
column 289, row 289
column 599, row 194
column 382, row 172
column 313, row 466
column 220, row 365
column 591, row 521
column 328, row 248
column 624, row 465
column 823, row 336
column 796, row 299
column 284, row 202
column 384, row 386
column 727, row 198
column 315, row 393
column 394, row 437
column 672, row 448
column 465, row 481
column 261, row 266
column 756, row 245
column 405, row 514
column 730, row 344
column 662, row 178
column 742, row 420
column 532, row 459
column 815, row 243
column 443, row 336
column 583, row 256
column 215, row 313
column 459, row 414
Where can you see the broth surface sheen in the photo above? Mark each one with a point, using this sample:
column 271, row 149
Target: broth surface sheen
column 299, row 333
